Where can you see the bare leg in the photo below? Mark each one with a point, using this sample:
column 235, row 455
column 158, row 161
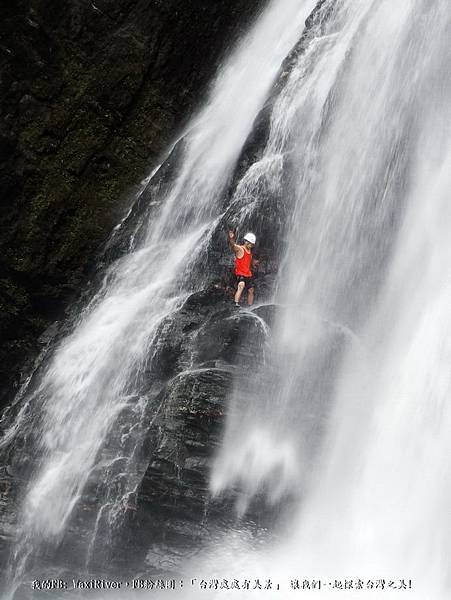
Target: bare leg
column 239, row 291
column 250, row 296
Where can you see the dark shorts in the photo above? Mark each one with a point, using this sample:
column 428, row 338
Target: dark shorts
column 249, row 282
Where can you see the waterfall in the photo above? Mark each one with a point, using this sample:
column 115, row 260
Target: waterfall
column 343, row 426
column 363, row 126
column 86, row 415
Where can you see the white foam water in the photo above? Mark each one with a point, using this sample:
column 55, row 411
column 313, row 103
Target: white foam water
column 365, row 117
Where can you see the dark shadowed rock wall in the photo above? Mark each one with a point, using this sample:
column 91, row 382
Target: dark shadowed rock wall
column 90, row 93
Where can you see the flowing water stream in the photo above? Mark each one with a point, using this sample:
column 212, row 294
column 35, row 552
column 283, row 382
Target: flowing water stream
column 349, row 418
column 365, row 116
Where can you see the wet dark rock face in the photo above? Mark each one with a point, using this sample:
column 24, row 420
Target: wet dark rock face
column 174, row 506
column 91, row 93
column 202, row 348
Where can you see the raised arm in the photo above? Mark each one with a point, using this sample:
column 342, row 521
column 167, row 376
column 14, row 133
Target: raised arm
column 233, row 245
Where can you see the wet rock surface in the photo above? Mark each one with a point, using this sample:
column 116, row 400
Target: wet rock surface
column 91, row 94
column 171, row 514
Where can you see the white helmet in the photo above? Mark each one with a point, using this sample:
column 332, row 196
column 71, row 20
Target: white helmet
column 250, row 237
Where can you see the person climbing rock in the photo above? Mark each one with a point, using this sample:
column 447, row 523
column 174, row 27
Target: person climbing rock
column 243, row 266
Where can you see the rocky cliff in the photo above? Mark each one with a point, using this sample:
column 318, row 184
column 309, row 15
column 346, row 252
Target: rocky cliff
column 91, row 92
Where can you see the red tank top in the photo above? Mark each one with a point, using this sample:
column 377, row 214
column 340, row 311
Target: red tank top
column 243, row 264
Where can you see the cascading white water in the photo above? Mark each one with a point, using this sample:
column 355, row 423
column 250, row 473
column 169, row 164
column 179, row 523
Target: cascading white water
column 366, row 117
column 328, row 247
column 94, row 374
